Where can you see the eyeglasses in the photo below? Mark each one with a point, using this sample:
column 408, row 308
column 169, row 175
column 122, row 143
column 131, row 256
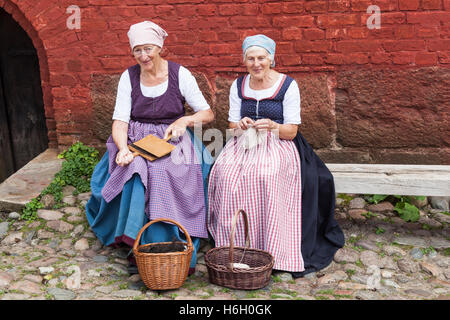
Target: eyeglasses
column 147, row 50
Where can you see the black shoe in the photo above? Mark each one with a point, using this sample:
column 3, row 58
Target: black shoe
column 132, row 269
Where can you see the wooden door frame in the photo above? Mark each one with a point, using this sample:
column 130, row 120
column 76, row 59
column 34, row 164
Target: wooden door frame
column 17, row 14
column 14, row 105
column 7, row 162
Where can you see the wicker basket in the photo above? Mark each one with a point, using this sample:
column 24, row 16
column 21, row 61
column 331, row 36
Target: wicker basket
column 221, row 271
column 163, row 271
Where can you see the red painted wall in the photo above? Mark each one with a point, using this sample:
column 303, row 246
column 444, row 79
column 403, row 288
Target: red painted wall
column 323, row 38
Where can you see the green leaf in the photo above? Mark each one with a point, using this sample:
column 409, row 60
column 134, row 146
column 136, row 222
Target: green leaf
column 407, row 212
column 375, row 198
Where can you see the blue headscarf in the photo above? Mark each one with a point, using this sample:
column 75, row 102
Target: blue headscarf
column 262, row 41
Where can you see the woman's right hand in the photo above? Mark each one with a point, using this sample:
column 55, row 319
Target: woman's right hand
column 245, row 123
column 124, row 157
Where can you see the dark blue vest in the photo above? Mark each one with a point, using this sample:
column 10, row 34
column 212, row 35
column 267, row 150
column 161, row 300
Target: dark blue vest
column 268, row 108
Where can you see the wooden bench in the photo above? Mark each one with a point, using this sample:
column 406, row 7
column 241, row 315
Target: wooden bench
column 388, row 179
column 391, row 179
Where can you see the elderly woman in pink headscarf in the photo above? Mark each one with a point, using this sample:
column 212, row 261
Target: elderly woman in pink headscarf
column 129, row 191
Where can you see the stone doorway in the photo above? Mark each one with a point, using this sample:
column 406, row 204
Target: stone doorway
column 23, row 130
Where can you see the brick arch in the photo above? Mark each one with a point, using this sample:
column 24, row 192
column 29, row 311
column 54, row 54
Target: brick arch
column 27, row 26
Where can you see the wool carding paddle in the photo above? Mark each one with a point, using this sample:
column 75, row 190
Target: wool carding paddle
column 151, row 147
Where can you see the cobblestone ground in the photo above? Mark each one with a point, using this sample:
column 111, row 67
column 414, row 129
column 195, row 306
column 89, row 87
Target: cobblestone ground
column 57, row 257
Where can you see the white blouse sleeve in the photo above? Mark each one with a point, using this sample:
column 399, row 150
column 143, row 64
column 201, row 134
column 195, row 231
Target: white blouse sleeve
column 190, row 90
column 234, row 113
column 291, row 104
column 122, row 109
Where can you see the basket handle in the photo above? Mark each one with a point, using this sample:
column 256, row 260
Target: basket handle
column 233, row 230
column 138, row 238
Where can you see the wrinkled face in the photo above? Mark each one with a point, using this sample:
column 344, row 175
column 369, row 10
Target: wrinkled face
column 146, row 55
column 258, row 61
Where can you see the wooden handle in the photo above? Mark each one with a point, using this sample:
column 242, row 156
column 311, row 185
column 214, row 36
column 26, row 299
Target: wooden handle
column 168, row 138
column 233, row 230
column 136, row 153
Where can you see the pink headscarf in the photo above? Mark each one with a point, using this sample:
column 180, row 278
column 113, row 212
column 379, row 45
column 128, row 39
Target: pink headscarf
column 146, row 32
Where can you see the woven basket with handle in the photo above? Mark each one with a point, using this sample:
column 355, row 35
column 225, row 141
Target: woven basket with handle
column 221, row 263
column 163, row 271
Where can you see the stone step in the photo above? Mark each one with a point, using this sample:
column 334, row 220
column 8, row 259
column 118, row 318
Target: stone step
column 28, row 182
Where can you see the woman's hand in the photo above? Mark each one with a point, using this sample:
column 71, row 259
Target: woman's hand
column 266, row 124
column 120, row 137
column 284, row 131
column 177, row 128
column 124, row 157
column 245, row 123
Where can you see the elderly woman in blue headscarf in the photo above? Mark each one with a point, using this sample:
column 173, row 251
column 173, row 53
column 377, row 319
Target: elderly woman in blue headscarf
column 270, row 171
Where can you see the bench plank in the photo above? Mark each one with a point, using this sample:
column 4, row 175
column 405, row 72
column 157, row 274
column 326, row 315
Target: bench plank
column 419, row 180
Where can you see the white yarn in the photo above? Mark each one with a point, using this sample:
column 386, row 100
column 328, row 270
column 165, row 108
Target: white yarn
column 253, row 137
column 241, row 265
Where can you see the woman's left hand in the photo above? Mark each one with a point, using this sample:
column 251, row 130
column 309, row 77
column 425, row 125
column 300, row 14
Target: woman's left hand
column 265, row 124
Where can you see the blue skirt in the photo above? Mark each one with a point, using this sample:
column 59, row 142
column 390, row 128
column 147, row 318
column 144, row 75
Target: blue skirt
column 120, row 220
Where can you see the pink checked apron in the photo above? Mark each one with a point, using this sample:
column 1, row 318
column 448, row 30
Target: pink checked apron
column 265, row 181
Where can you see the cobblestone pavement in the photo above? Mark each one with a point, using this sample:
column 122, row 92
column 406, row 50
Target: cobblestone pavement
column 57, row 257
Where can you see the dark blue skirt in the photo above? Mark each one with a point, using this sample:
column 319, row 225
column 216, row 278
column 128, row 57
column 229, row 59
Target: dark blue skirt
column 321, row 234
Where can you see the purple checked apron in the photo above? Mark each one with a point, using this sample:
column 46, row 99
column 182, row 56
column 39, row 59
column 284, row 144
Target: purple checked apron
column 173, row 184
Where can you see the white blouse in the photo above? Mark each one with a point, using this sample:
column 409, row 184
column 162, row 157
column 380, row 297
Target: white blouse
column 291, row 101
column 186, row 82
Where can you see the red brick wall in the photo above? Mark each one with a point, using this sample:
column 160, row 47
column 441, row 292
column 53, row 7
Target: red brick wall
column 325, row 45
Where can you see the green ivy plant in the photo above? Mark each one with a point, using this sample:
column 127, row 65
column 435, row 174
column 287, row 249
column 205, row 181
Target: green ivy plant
column 31, row 208
column 403, row 205
column 375, row 198
column 79, row 163
column 406, row 209
column 345, row 197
